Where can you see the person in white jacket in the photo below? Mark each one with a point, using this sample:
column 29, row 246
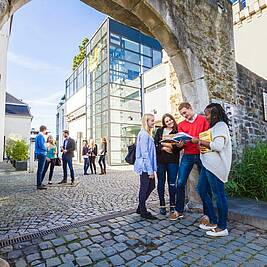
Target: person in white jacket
column 216, row 158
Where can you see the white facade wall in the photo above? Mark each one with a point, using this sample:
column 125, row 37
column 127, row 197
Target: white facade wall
column 250, row 36
column 18, row 127
column 76, row 101
column 157, row 101
column 61, row 124
column 4, row 38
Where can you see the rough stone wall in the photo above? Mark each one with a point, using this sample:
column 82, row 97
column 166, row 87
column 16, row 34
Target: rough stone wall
column 249, row 120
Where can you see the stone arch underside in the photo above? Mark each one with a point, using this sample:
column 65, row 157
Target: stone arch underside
column 156, row 18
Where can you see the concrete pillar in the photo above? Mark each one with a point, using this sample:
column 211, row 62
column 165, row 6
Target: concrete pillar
column 4, row 37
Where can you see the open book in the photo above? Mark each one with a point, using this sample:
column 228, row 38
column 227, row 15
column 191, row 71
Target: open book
column 175, row 138
column 205, row 136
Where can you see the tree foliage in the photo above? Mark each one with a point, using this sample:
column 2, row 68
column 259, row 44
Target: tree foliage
column 82, row 54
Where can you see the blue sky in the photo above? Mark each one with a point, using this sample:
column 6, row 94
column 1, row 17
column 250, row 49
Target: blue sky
column 45, row 37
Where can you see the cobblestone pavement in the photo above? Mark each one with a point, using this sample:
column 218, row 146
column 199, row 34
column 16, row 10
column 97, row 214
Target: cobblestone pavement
column 25, row 210
column 130, row 241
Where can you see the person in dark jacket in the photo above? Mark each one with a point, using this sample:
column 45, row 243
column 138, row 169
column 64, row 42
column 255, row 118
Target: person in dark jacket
column 92, row 155
column 102, row 156
column 67, row 150
column 40, row 152
column 168, row 161
column 85, row 155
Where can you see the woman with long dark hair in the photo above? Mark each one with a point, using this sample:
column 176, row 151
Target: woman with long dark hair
column 85, row 155
column 92, row 155
column 102, row 156
column 168, row 162
column 216, row 157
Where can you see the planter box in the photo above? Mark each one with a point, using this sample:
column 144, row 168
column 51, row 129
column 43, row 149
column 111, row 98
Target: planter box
column 21, row 165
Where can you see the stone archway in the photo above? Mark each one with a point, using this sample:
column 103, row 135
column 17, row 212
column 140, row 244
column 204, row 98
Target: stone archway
column 197, row 36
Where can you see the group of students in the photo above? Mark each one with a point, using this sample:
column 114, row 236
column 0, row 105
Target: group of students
column 89, row 154
column 47, row 154
column 212, row 158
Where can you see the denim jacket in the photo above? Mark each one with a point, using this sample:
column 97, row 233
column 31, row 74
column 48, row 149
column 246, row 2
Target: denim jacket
column 146, row 159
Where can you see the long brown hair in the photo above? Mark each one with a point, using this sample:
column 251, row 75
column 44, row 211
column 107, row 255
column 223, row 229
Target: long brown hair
column 168, row 115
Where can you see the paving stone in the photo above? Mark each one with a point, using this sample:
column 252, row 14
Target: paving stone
column 98, row 239
column 120, row 238
column 20, row 263
column 69, row 264
column 116, row 260
column 81, row 252
column 45, row 245
column 128, row 255
column 49, row 253
column 93, row 232
column 169, row 256
column 14, row 254
column 96, row 255
column 132, row 242
column 70, row 237
column 102, row 264
column 159, row 261
column 83, row 261
column 74, row 246
column 154, row 253
column 177, row 263
column 254, row 247
column 144, row 258
column 86, row 242
column 33, row 257
column 133, row 263
column 261, row 258
column 58, row 241
column 67, row 258
column 37, row 262
column 53, row 262
column 108, row 243
column 120, row 247
column 109, row 251
column 61, row 250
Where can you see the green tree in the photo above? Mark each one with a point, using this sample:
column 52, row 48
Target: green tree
column 82, row 54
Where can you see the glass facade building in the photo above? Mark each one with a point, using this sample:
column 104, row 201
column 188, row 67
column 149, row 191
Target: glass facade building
column 116, row 57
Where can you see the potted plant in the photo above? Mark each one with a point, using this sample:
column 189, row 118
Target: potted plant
column 20, row 153
column 9, row 148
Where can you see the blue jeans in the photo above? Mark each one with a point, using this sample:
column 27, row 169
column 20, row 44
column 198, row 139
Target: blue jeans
column 147, row 185
column 65, row 162
column 41, row 164
column 172, row 170
column 208, row 180
column 186, row 165
column 86, row 165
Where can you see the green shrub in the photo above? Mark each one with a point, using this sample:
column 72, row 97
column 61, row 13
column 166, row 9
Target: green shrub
column 20, row 150
column 9, row 147
column 249, row 176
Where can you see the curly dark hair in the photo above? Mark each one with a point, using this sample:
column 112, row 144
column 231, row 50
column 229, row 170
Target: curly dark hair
column 217, row 114
column 167, row 115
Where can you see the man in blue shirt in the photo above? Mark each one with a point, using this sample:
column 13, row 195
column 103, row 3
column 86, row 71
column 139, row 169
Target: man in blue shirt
column 41, row 152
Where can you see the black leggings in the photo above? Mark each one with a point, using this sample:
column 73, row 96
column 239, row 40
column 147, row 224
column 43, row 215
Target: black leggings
column 52, row 166
column 92, row 164
column 102, row 159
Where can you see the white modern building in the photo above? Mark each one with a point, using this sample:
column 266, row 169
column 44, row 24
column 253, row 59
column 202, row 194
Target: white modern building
column 4, row 38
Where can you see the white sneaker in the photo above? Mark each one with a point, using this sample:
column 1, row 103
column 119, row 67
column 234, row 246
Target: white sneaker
column 213, row 233
column 207, row 226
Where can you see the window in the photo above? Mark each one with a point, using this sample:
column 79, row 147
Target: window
column 132, row 57
column 115, row 39
column 130, row 45
column 157, row 57
column 147, row 61
column 125, row 104
column 145, row 50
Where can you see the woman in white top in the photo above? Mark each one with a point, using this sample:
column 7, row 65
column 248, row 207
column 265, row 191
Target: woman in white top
column 216, row 162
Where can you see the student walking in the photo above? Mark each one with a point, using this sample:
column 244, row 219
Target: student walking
column 168, row 162
column 102, row 156
column 145, row 164
column 216, row 168
column 85, row 155
column 92, row 155
column 67, row 150
column 192, row 125
column 50, row 158
column 40, row 152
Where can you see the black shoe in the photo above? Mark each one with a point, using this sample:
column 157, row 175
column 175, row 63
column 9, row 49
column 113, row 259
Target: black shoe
column 172, row 209
column 72, row 182
column 86, row 173
column 162, row 211
column 63, row 182
column 148, row 216
column 138, row 211
column 41, row 187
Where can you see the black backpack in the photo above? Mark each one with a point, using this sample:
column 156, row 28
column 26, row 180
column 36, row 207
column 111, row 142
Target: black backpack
column 130, row 157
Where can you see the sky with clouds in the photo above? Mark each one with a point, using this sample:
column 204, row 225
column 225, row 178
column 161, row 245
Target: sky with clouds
column 45, row 37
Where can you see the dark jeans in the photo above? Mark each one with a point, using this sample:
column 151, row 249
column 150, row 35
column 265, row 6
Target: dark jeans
column 102, row 163
column 51, row 162
column 65, row 162
column 41, row 164
column 92, row 164
column 186, row 166
column 172, row 170
column 147, row 185
column 208, row 180
column 86, row 164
